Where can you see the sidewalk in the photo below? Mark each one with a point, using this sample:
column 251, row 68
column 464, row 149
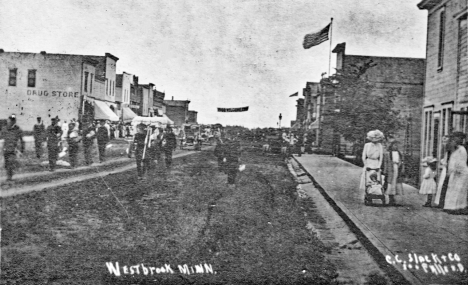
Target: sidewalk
column 79, row 174
column 398, row 233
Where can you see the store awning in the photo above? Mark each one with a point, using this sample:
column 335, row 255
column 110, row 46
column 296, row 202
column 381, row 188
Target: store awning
column 169, row 121
column 297, row 125
column 127, row 115
column 103, row 112
column 314, row 125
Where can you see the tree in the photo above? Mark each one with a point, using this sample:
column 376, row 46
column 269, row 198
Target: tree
column 361, row 106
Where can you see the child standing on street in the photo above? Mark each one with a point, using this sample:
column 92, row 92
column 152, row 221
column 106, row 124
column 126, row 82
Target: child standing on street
column 429, row 185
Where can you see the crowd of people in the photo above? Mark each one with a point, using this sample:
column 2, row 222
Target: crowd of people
column 446, row 188
column 65, row 138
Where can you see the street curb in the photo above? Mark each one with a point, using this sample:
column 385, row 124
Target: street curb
column 375, row 247
column 39, row 187
column 119, row 160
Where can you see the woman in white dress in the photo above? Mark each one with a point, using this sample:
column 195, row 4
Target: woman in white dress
column 455, row 199
column 439, row 198
column 372, row 156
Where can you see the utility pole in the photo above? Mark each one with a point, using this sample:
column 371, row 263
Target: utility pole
column 280, row 117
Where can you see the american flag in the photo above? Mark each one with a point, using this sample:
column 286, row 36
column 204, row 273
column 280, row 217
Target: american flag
column 317, row 38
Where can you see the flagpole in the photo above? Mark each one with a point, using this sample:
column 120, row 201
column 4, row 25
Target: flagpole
column 329, row 54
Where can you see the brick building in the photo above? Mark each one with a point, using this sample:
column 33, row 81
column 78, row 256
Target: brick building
column 177, row 110
column 300, row 113
column 405, row 77
column 49, row 85
column 446, row 89
column 192, row 117
column 312, row 102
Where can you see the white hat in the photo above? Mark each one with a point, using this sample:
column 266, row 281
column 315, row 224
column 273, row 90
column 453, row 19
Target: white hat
column 429, row 159
column 375, row 136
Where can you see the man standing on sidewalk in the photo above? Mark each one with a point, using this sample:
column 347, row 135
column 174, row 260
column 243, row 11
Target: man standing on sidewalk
column 171, row 143
column 102, row 140
column 39, row 133
column 88, row 141
column 12, row 134
column 54, row 134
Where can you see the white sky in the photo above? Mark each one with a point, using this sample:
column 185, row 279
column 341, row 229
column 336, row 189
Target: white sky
column 217, row 53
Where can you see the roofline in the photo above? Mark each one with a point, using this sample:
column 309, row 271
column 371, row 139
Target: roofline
column 394, row 57
column 66, row 54
column 112, row 56
column 428, row 4
column 90, row 61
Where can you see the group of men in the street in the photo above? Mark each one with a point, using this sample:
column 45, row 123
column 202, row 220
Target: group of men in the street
column 54, row 136
column 149, row 145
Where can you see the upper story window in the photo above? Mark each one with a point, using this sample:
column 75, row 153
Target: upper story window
column 440, row 58
column 12, row 77
column 91, row 79
column 86, row 81
column 31, row 78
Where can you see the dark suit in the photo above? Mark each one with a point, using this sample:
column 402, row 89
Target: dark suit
column 102, row 139
column 232, row 153
column 54, row 134
column 11, row 135
column 38, row 132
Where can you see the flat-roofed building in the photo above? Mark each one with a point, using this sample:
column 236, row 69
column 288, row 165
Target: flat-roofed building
column 49, row 85
column 177, row 110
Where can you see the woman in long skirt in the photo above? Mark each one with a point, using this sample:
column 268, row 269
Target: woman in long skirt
column 393, row 170
column 455, row 199
column 439, row 197
column 372, row 156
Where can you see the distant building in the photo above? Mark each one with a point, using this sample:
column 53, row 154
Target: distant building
column 299, row 114
column 135, row 97
column 146, row 94
column 122, row 89
column 192, row 117
column 49, row 85
column 123, row 85
column 177, row 110
column 158, row 102
column 446, row 89
column 312, row 102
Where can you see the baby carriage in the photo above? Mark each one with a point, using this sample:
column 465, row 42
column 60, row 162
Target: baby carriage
column 375, row 188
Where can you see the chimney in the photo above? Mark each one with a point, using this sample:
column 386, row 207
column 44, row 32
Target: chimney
column 1, row 50
column 172, row 98
column 43, row 52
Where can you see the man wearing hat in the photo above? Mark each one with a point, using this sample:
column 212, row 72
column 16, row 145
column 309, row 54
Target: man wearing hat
column 171, row 143
column 142, row 154
column 38, row 132
column 54, row 134
column 89, row 135
column 12, row 134
column 102, row 135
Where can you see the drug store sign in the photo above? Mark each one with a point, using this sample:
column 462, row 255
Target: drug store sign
column 54, row 93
